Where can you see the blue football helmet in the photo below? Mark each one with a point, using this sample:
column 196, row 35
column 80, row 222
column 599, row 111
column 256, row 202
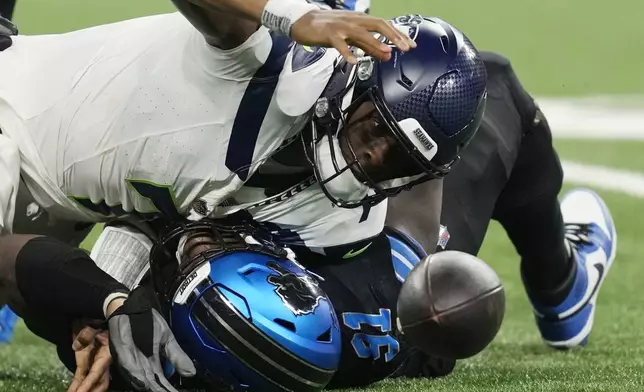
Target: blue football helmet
column 250, row 319
column 430, row 100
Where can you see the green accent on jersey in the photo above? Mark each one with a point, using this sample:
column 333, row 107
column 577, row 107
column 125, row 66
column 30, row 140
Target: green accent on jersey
column 161, row 196
column 99, row 207
column 358, row 252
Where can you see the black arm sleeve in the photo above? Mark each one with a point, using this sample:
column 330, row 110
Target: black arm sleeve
column 7, row 7
column 55, row 277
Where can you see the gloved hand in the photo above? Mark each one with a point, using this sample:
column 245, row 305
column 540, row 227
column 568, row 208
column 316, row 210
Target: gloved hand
column 7, row 29
column 138, row 337
column 417, row 364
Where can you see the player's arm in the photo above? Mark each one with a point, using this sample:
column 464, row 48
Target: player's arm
column 417, row 213
column 231, row 22
column 46, row 275
column 51, row 277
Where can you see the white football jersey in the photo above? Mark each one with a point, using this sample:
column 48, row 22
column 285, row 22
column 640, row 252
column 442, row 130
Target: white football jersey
column 309, row 218
column 144, row 116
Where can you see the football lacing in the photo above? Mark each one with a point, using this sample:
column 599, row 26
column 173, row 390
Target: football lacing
column 577, row 233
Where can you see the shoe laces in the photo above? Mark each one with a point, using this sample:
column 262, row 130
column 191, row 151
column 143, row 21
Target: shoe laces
column 577, row 233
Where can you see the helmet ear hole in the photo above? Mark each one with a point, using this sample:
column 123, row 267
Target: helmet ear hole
column 286, row 324
column 444, row 42
column 406, row 81
column 325, row 337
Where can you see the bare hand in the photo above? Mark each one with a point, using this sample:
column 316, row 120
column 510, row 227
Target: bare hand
column 93, row 360
column 340, row 29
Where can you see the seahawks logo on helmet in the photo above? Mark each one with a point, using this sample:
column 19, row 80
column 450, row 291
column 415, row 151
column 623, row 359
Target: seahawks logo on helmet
column 300, row 293
column 407, row 24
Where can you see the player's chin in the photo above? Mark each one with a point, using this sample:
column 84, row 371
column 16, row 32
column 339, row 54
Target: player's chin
column 451, row 305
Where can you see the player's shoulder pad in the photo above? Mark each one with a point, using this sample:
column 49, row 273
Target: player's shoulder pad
column 305, row 75
column 304, row 56
column 496, row 64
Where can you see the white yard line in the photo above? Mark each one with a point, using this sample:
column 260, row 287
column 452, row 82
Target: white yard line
column 601, row 177
column 608, row 117
column 619, row 117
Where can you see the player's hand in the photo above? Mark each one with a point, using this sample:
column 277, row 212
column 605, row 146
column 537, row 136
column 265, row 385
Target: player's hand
column 93, row 360
column 420, row 365
column 138, row 337
column 339, row 29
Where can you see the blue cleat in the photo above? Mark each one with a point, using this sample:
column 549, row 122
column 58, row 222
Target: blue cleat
column 8, row 320
column 592, row 239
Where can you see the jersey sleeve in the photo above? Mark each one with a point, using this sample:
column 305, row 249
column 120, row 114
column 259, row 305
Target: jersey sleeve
column 10, row 175
column 240, row 63
column 305, row 74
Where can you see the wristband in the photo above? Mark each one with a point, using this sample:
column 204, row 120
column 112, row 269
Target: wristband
column 280, row 15
column 112, row 297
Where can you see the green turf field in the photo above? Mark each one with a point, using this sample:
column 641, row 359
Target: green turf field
column 565, row 48
column 617, row 154
column 559, row 47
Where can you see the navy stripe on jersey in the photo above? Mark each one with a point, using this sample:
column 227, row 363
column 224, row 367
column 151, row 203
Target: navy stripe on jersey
column 253, row 108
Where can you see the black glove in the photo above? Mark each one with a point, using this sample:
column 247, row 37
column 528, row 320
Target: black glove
column 7, row 29
column 421, row 365
column 138, row 333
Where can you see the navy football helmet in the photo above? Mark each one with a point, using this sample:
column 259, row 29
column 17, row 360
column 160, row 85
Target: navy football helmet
column 251, row 319
column 430, row 100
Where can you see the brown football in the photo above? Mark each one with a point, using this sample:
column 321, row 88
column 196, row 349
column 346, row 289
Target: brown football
column 451, row 305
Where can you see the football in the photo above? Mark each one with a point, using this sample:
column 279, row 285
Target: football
column 451, row 305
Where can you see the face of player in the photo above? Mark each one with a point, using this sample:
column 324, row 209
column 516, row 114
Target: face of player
column 367, row 141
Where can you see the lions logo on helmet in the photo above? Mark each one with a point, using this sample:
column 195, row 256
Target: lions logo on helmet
column 300, row 293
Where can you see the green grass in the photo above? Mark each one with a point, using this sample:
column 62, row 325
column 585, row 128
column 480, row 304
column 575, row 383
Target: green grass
column 618, row 154
column 46, row 16
column 558, row 47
